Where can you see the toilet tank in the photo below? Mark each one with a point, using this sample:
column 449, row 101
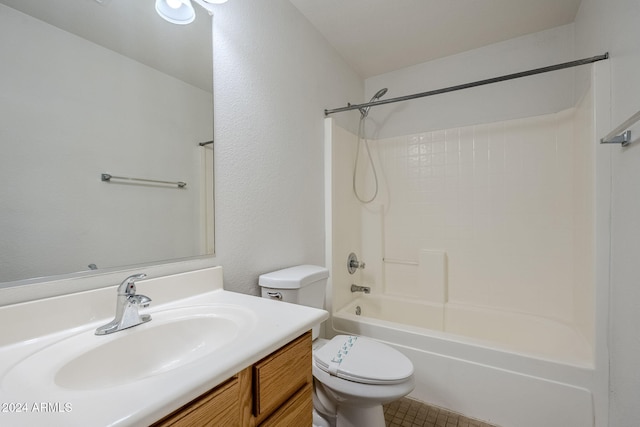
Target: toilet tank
column 302, row 284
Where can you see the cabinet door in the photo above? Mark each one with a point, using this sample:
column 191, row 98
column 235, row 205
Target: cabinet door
column 219, row 407
column 296, row 412
column 281, row 374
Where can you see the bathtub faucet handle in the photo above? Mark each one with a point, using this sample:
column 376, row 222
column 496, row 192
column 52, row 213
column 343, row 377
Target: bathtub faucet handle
column 356, row 264
column 353, row 264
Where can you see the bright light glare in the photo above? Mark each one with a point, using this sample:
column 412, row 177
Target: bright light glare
column 174, row 4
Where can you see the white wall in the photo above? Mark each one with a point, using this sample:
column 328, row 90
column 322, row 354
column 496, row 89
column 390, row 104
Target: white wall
column 612, row 25
column 274, row 75
column 72, row 110
column 496, row 102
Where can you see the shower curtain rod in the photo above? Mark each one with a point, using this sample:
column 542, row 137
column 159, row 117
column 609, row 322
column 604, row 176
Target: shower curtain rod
column 473, row 84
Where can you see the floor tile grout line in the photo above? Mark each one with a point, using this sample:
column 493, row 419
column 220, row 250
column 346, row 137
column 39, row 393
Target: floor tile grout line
column 408, row 412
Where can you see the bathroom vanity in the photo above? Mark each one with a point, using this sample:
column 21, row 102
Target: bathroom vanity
column 275, row 391
column 207, row 357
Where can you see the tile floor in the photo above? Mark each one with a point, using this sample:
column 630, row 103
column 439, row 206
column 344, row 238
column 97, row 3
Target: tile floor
column 411, row 413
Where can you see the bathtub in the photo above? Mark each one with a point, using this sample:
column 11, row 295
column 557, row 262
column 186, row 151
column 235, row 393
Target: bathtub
column 509, row 369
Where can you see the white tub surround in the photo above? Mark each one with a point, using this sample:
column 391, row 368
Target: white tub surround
column 482, row 246
column 46, row 334
column 509, row 331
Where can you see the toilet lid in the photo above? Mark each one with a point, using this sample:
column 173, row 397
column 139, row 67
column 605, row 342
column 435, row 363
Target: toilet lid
column 363, row 360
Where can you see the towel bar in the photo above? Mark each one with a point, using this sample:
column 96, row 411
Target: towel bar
column 624, row 138
column 108, row 177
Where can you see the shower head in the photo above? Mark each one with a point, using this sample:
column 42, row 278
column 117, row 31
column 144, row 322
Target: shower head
column 379, row 94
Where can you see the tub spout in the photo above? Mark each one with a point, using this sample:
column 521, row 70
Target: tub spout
column 365, row 289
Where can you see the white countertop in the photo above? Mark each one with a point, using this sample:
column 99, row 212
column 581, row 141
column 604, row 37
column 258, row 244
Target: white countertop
column 32, row 397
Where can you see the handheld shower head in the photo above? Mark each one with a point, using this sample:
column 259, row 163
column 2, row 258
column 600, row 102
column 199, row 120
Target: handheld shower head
column 379, row 94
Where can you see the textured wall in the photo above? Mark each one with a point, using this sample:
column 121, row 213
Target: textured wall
column 273, row 77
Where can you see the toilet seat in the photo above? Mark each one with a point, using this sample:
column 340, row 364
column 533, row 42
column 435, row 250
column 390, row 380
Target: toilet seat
column 363, row 360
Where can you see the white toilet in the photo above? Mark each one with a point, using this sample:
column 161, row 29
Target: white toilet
column 353, row 376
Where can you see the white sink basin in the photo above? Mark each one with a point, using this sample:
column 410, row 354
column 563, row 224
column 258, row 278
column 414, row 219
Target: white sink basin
column 144, row 352
column 172, row 339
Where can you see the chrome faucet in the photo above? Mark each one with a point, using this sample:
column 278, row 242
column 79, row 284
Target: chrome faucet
column 127, row 306
column 365, row 289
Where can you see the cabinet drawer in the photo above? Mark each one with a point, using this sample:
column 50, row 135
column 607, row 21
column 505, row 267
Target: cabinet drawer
column 281, row 374
column 298, row 411
column 218, row 407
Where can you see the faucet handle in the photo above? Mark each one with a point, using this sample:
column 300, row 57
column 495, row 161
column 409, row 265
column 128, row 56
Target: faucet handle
column 353, row 264
column 141, row 300
column 128, row 287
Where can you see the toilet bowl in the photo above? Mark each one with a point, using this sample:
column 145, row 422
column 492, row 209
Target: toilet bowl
column 353, row 376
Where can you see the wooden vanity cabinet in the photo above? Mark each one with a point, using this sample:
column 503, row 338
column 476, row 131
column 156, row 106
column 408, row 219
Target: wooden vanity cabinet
column 278, row 377
column 218, row 407
column 276, row 391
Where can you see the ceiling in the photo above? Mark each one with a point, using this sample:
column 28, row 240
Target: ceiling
column 379, row 36
column 373, row 36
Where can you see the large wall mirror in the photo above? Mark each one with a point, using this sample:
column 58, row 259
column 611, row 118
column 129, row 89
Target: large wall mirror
column 93, row 87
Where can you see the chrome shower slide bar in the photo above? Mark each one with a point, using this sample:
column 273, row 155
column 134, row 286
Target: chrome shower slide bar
column 470, row 85
column 108, row 177
column 624, row 138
